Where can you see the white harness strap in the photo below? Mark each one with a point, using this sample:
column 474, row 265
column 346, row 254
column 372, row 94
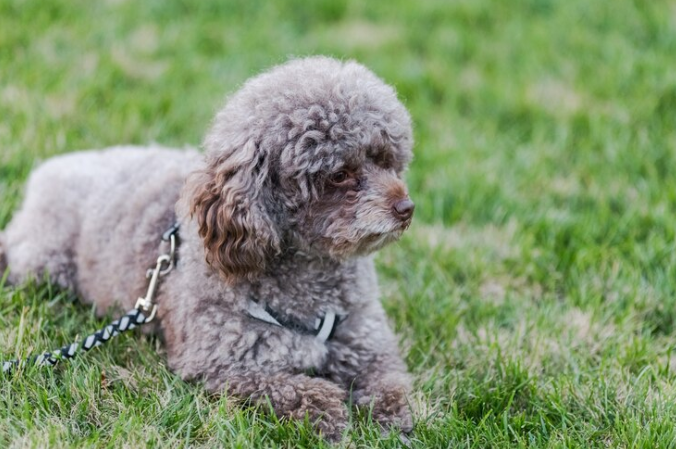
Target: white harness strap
column 256, row 311
column 323, row 327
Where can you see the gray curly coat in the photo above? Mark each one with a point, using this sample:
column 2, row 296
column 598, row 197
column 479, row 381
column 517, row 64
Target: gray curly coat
column 301, row 182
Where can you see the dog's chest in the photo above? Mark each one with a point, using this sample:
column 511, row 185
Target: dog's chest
column 300, row 297
column 306, row 293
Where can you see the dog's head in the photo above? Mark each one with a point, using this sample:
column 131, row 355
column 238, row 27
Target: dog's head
column 308, row 155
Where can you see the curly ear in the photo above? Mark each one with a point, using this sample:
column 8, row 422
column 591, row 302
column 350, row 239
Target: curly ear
column 239, row 236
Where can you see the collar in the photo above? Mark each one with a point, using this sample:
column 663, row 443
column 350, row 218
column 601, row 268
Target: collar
column 323, row 329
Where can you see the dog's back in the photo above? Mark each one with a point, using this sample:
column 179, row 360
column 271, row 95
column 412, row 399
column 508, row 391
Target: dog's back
column 82, row 208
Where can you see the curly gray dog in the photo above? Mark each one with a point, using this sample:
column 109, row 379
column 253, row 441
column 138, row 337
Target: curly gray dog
column 301, row 182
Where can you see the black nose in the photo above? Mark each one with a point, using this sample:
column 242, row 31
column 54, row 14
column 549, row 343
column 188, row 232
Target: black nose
column 403, row 209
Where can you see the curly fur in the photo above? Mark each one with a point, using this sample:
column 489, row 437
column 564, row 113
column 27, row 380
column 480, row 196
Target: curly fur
column 301, row 181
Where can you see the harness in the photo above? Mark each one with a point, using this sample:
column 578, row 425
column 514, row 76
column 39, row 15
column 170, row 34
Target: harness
column 323, row 327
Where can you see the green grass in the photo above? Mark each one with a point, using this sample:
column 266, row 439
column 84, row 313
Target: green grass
column 535, row 293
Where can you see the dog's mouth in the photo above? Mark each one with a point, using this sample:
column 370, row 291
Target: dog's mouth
column 405, row 224
column 374, row 242
column 365, row 244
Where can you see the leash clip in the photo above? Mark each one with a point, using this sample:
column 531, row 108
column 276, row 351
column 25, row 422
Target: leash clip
column 165, row 263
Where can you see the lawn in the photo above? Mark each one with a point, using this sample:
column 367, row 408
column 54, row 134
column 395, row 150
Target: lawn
column 535, row 293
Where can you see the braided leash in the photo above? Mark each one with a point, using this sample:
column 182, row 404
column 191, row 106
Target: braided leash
column 143, row 313
column 132, row 319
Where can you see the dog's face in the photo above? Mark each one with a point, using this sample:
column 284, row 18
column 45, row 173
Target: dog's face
column 359, row 205
column 308, row 155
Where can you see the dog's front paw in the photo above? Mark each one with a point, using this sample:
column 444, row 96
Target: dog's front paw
column 332, row 426
column 324, row 405
column 389, row 406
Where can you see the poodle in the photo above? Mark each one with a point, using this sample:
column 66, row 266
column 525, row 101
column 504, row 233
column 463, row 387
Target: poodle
column 301, row 181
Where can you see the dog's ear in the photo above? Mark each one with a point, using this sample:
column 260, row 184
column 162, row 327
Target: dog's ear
column 238, row 233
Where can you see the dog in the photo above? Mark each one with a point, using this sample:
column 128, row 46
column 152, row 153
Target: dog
column 300, row 182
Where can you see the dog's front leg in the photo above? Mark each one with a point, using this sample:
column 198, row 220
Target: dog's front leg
column 258, row 364
column 383, row 389
column 365, row 358
column 293, row 396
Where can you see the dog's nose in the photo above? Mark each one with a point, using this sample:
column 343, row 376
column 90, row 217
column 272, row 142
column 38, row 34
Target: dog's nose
column 403, row 209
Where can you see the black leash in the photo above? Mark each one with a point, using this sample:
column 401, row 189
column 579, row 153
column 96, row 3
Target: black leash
column 132, row 319
column 143, row 313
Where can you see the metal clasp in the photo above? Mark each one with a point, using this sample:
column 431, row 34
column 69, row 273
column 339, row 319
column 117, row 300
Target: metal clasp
column 165, row 263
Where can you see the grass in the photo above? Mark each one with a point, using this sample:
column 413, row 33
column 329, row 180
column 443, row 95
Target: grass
column 535, row 293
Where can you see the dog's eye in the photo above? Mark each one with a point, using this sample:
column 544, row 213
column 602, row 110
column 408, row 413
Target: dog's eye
column 340, row 177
